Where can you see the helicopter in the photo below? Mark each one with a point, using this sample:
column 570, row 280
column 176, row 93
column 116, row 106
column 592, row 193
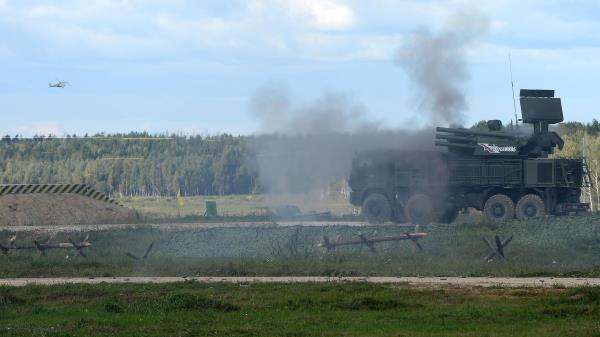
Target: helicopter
column 58, row 84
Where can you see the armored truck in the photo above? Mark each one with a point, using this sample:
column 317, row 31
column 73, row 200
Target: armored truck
column 503, row 172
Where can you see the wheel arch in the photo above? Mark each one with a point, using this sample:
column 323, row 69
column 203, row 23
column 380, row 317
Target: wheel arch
column 370, row 191
column 514, row 193
column 488, row 193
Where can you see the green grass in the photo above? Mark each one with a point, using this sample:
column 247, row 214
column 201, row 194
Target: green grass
column 352, row 309
column 565, row 246
column 242, row 207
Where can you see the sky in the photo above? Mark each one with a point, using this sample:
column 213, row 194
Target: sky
column 193, row 67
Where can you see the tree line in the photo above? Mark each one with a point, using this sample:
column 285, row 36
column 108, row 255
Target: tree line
column 583, row 140
column 142, row 164
column 134, row 164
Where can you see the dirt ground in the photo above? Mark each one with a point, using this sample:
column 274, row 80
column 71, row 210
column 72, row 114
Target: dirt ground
column 59, row 209
column 175, row 226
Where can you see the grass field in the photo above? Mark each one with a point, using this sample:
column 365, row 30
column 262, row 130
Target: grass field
column 353, row 309
column 156, row 208
column 564, row 246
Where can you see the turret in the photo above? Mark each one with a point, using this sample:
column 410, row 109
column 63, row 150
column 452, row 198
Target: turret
column 478, row 143
column 538, row 107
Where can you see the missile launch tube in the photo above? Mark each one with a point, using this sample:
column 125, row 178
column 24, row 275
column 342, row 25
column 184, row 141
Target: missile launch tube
column 463, row 146
column 475, row 133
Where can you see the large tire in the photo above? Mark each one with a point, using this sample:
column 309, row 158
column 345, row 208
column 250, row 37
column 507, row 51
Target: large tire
column 530, row 206
column 499, row 208
column 420, row 209
column 376, row 209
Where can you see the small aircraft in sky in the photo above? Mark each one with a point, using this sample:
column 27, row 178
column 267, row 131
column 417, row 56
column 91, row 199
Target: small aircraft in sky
column 58, row 84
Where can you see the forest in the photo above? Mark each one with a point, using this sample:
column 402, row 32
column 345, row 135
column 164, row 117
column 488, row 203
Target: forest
column 142, row 164
column 133, row 164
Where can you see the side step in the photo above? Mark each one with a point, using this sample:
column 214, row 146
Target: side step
column 81, row 189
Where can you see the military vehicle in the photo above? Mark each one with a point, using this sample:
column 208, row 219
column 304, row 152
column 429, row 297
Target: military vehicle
column 503, row 172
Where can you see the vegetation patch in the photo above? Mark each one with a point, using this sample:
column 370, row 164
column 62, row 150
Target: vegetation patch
column 170, row 303
column 348, row 309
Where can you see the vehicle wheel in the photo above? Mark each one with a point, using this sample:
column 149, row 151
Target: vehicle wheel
column 449, row 215
column 420, row 210
column 376, row 209
column 499, row 208
column 530, row 206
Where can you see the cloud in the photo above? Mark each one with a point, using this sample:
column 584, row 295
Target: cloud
column 80, row 28
column 561, row 24
column 548, row 58
column 79, row 10
column 40, row 129
column 375, row 48
column 78, row 39
column 295, row 29
column 89, row 36
column 264, row 25
column 209, row 30
column 43, row 11
column 325, row 14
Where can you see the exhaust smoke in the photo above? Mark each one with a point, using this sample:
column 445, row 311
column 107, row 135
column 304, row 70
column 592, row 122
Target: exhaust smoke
column 306, row 146
column 331, row 113
column 436, row 65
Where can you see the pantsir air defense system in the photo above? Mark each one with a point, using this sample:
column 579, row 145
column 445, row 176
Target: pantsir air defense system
column 503, row 173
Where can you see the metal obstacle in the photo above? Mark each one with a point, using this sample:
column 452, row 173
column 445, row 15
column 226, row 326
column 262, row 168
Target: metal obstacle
column 81, row 189
column 43, row 247
column 499, row 249
column 143, row 257
column 370, row 242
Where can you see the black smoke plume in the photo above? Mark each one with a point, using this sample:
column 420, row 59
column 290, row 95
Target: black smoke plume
column 436, row 65
column 330, row 113
column 306, row 146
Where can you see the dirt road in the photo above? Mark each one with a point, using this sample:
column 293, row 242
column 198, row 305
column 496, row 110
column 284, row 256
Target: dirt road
column 508, row 282
column 176, row 226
